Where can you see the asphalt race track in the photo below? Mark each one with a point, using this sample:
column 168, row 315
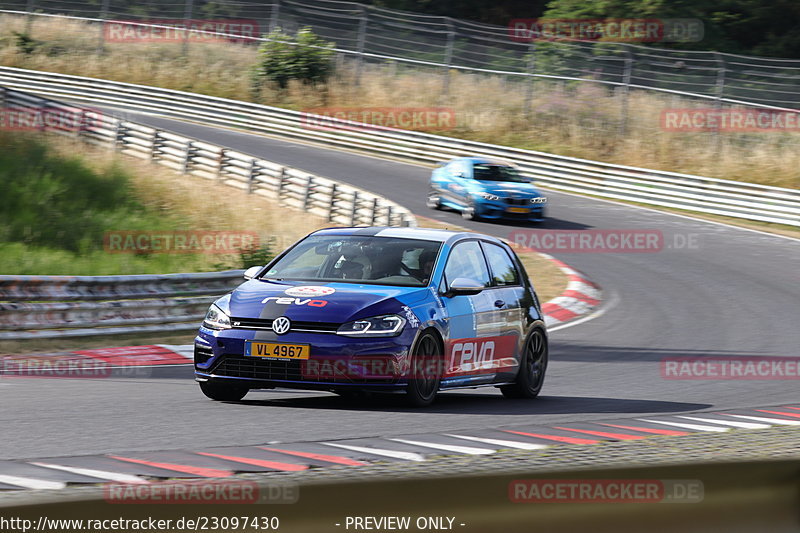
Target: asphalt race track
column 733, row 293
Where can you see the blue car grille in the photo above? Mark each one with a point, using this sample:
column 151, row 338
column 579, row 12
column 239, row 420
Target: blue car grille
column 518, row 201
column 266, row 323
column 238, row 366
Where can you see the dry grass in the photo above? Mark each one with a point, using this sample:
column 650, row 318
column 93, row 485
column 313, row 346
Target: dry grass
column 581, row 120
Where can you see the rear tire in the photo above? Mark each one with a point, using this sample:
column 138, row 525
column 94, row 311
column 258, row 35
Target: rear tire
column 532, row 368
column 426, row 371
column 221, row 392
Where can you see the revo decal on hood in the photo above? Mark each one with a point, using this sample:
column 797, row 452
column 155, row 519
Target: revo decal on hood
column 285, row 300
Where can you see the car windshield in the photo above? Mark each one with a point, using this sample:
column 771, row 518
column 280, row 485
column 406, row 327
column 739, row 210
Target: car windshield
column 487, row 172
column 358, row 259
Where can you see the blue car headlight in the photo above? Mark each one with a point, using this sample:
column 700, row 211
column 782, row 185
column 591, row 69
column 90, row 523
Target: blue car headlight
column 539, row 200
column 218, row 314
column 487, row 196
column 377, row 326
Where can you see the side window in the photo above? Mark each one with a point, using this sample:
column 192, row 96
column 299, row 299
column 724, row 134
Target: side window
column 503, row 270
column 466, row 261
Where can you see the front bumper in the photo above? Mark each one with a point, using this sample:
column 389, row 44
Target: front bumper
column 495, row 210
column 335, row 361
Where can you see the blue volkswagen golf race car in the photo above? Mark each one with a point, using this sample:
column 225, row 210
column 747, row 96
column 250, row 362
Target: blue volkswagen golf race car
column 485, row 188
column 407, row 310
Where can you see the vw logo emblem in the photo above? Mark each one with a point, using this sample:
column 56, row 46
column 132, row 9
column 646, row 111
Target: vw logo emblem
column 281, row 325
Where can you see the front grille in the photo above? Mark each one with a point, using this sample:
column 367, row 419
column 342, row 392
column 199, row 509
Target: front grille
column 297, row 325
column 238, row 366
column 518, row 201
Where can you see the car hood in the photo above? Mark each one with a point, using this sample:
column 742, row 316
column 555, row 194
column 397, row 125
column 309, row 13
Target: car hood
column 506, row 188
column 308, row 301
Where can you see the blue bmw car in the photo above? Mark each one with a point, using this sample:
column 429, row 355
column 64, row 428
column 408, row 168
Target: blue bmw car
column 406, row 310
column 485, row 188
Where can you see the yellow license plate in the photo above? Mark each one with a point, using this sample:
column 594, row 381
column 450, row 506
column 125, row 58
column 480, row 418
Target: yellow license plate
column 518, row 210
column 278, row 350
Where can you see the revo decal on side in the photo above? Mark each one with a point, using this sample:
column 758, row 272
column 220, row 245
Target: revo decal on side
column 481, row 355
column 285, row 300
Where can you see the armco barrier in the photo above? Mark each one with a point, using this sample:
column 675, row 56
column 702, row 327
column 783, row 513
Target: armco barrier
column 653, row 187
column 64, row 306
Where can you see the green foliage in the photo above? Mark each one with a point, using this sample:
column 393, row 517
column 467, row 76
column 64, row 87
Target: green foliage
column 25, row 43
column 56, row 210
column 304, row 57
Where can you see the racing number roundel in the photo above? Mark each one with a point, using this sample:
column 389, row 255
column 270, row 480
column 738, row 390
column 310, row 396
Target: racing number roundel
column 310, row 291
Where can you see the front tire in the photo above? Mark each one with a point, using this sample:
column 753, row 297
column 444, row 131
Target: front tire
column 533, row 365
column 221, row 392
column 433, row 201
column 469, row 212
column 426, row 371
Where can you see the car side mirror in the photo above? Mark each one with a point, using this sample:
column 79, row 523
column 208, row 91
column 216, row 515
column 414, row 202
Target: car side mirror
column 251, row 272
column 464, row 287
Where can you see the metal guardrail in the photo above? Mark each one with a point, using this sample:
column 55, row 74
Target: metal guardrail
column 61, row 306
column 653, row 187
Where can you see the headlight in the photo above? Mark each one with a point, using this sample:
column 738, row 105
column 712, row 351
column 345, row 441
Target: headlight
column 216, row 318
column 487, row 196
column 539, row 200
column 378, row 326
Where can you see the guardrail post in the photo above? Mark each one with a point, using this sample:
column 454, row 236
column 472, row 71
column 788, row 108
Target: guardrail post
column 220, row 163
column 389, row 215
column 274, row 16
column 251, row 176
column 81, row 122
column 101, row 40
column 362, row 41
column 156, row 148
column 187, row 159
column 530, row 68
column 332, row 204
column 119, row 135
column 626, row 82
column 719, row 91
column 354, row 210
column 448, row 55
column 31, row 5
column 187, row 20
column 281, row 180
column 307, row 193
column 375, row 208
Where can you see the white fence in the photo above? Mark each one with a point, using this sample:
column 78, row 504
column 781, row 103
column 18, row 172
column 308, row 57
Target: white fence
column 653, row 187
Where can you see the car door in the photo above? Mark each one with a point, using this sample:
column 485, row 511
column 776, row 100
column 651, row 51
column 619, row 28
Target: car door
column 509, row 298
column 470, row 348
column 460, row 173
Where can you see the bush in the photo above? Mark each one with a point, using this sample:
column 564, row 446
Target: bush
column 304, row 57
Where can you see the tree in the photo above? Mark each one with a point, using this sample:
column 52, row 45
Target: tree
column 304, row 57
